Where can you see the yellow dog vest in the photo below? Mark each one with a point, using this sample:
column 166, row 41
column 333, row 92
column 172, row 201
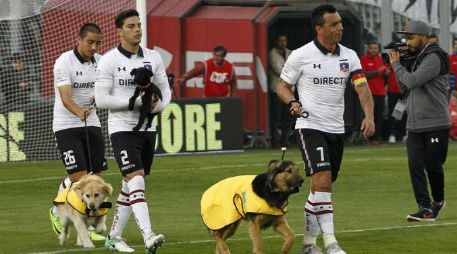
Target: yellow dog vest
column 70, row 197
column 230, row 200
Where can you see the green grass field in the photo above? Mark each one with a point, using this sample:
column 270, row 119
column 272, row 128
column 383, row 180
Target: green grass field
column 372, row 197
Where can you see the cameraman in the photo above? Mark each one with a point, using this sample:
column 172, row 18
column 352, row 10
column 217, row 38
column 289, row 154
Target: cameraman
column 428, row 117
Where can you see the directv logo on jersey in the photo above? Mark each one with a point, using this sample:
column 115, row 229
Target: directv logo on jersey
column 84, row 85
column 329, row 81
column 126, row 82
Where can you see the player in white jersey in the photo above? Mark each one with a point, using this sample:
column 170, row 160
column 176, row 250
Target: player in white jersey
column 134, row 151
column 74, row 115
column 320, row 71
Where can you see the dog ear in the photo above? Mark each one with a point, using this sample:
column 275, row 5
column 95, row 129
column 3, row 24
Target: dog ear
column 107, row 189
column 77, row 187
column 132, row 73
column 274, row 167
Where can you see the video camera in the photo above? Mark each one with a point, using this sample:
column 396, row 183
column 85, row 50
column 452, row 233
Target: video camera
column 406, row 56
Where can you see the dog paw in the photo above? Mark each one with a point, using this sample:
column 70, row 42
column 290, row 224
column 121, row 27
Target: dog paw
column 89, row 245
column 63, row 239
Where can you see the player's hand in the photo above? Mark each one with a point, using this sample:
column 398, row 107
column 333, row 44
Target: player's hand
column 394, row 56
column 154, row 101
column 367, row 127
column 180, row 80
column 296, row 110
column 84, row 114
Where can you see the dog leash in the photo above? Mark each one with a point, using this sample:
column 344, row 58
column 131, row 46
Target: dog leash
column 283, row 149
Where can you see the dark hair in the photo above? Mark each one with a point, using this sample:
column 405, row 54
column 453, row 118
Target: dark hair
column 89, row 27
column 280, row 35
column 220, row 48
column 124, row 15
column 372, row 42
column 433, row 36
column 317, row 17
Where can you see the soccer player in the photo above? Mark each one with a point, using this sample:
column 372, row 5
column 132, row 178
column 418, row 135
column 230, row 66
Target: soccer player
column 133, row 151
column 320, row 71
column 75, row 116
column 219, row 75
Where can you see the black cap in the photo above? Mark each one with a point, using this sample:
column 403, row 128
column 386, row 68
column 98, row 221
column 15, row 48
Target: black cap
column 416, row 27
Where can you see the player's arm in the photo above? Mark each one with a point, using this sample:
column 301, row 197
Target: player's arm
column 63, row 82
column 65, row 95
column 290, row 75
column 103, row 87
column 161, row 81
column 366, row 100
column 287, row 96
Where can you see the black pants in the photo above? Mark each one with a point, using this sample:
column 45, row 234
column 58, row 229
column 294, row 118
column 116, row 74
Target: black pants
column 427, row 150
column 378, row 116
column 396, row 127
column 280, row 119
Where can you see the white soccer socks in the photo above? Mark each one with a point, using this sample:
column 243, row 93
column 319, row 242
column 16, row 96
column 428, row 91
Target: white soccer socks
column 121, row 213
column 139, row 206
column 323, row 209
column 312, row 227
column 66, row 182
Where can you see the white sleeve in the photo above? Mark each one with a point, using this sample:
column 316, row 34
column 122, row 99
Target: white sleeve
column 161, row 81
column 355, row 63
column 292, row 69
column 62, row 73
column 104, row 84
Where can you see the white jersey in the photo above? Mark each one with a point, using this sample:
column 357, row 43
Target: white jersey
column 114, row 86
column 71, row 69
column 321, row 77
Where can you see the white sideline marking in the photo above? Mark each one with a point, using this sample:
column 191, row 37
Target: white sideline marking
column 266, row 237
column 201, row 168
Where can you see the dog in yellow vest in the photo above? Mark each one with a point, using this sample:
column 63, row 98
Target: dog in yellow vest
column 84, row 203
column 260, row 199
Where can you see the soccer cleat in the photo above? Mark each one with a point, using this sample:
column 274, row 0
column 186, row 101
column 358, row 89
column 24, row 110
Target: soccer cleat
column 423, row 214
column 117, row 244
column 437, row 207
column 95, row 237
column 55, row 222
column 334, row 248
column 153, row 243
column 310, row 249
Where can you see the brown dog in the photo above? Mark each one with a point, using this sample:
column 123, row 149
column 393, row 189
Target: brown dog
column 83, row 204
column 260, row 199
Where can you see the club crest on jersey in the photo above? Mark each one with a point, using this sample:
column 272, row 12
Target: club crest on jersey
column 147, row 65
column 344, row 67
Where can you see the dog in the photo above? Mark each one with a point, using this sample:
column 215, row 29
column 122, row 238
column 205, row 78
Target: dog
column 84, row 204
column 142, row 79
column 260, row 199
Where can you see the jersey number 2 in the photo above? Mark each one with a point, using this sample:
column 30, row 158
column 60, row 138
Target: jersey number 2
column 124, row 157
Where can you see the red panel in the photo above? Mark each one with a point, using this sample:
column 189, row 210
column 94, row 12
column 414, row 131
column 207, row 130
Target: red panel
column 226, row 12
column 164, row 34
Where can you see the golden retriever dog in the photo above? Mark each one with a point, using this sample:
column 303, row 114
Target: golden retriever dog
column 84, row 204
column 260, row 199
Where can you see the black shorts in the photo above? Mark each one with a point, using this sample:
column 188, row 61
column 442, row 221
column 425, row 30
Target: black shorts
column 74, row 153
column 320, row 151
column 133, row 150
